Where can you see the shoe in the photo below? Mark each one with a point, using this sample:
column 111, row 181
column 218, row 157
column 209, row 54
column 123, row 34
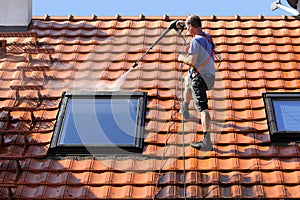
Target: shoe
column 197, row 145
column 204, row 145
column 185, row 110
column 185, row 114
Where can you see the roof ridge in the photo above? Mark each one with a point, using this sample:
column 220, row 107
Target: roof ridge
column 164, row 17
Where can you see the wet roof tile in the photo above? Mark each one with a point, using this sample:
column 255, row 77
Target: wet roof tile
column 57, row 178
column 259, row 54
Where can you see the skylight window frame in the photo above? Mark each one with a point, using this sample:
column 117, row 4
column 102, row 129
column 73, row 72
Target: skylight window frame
column 279, row 136
column 64, row 150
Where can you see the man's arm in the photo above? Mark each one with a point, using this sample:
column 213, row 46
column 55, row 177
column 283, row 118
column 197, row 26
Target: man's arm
column 190, row 59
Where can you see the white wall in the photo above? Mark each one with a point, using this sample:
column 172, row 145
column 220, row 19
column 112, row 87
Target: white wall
column 15, row 12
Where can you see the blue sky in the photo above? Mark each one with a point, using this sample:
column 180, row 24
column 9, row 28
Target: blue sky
column 155, row 7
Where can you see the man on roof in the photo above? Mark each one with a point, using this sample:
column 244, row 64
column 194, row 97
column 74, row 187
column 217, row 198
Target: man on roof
column 200, row 78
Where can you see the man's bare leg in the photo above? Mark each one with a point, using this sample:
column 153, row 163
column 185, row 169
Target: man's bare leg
column 205, row 121
column 187, row 97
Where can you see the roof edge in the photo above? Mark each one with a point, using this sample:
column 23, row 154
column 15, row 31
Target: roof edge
column 164, row 17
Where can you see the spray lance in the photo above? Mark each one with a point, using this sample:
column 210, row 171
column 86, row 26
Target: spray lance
column 174, row 25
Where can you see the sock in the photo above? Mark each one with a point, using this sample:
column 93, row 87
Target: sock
column 206, row 138
column 186, row 105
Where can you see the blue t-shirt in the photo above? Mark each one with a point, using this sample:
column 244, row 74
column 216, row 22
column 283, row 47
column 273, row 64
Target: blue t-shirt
column 202, row 45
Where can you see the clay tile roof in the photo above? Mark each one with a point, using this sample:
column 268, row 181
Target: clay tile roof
column 260, row 54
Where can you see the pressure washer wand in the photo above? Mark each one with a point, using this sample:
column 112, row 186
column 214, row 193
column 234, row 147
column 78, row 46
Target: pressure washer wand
column 171, row 26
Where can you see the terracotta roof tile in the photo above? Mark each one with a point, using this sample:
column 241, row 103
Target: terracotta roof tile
column 76, row 192
column 252, row 177
column 291, row 191
column 57, row 178
column 259, row 54
column 54, row 191
column 60, row 165
column 253, row 191
column 277, row 191
column 289, row 164
column 291, row 177
column 248, row 164
column 32, row 191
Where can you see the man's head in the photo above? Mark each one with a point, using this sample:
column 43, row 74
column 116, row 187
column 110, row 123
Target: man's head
column 194, row 21
column 193, row 24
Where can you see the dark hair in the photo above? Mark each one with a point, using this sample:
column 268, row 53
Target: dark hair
column 194, row 20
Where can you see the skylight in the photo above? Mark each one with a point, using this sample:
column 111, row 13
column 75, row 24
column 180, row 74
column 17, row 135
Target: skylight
column 283, row 115
column 99, row 123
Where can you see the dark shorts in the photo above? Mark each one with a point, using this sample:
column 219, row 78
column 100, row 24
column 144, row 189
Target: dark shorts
column 198, row 89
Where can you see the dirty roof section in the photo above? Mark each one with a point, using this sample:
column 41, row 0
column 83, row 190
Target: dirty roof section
column 87, row 54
